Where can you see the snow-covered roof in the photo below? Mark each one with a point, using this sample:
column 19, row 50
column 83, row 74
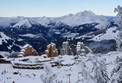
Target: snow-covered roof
column 46, row 51
column 27, row 45
column 66, row 42
column 52, row 44
column 79, row 43
column 22, row 50
column 20, row 55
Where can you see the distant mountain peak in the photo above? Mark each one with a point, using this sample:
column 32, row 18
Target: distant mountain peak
column 85, row 13
column 24, row 22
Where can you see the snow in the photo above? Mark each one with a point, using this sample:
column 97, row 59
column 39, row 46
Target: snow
column 24, row 22
column 70, row 35
column 57, row 32
column 71, row 20
column 20, row 39
column 43, row 20
column 27, row 45
column 28, row 35
column 68, row 62
column 83, row 18
column 3, row 38
column 110, row 34
column 4, row 53
column 78, row 72
column 44, row 59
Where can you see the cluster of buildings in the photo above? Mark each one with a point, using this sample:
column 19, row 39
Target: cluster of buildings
column 79, row 49
column 52, row 51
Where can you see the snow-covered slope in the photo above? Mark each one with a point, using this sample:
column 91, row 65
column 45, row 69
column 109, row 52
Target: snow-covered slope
column 111, row 33
column 3, row 38
column 28, row 35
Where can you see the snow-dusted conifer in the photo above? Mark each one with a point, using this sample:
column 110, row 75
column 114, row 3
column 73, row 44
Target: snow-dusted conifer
column 49, row 76
column 119, row 22
column 117, row 71
column 119, row 15
column 87, row 78
column 100, row 71
column 119, row 41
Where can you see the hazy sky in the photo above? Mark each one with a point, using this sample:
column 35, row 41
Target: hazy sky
column 55, row 8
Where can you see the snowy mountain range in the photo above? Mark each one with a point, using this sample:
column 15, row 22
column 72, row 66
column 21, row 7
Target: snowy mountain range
column 70, row 20
column 93, row 30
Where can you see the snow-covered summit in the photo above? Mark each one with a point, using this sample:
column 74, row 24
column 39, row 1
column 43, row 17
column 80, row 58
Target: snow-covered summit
column 83, row 18
column 24, row 22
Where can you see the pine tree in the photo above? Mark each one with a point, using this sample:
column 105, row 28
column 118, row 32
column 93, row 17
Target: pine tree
column 100, row 71
column 87, row 78
column 117, row 71
column 49, row 76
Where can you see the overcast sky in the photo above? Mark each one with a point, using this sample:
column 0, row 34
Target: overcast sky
column 55, row 8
